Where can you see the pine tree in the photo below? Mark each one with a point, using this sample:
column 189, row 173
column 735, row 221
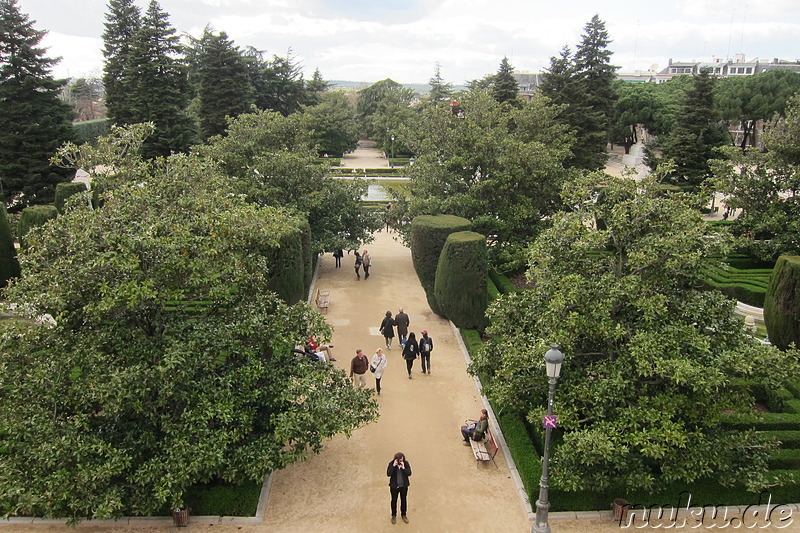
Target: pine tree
column 34, row 122
column 440, row 90
column 123, row 21
column 159, row 85
column 696, row 135
column 223, row 84
column 559, row 76
column 315, row 88
column 505, row 87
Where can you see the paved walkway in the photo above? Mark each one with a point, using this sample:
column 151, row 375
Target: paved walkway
column 365, row 156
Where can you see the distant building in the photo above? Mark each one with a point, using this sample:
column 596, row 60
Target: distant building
column 738, row 66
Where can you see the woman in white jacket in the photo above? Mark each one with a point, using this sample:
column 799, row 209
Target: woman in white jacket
column 378, row 363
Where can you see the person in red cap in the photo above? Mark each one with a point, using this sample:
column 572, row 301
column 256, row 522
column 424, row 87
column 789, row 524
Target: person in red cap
column 425, row 349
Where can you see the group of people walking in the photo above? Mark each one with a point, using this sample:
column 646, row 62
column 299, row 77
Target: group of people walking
column 363, row 260
column 412, row 348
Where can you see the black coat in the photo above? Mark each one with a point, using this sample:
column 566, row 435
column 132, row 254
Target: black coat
column 387, row 327
column 391, row 470
column 410, row 350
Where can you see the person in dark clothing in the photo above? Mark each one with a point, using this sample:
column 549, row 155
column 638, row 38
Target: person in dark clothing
column 338, row 254
column 402, row 321
column 387, row 329
column 425, row 349
column 477, row 429
column 357, row 265
column 410, row 352
column 398, row 472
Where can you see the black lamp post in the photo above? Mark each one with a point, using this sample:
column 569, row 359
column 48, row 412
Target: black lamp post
column 553, row 359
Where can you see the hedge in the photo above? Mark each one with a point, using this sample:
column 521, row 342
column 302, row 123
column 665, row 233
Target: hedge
column 88, row 131
column 65, row 190
column 762, row 421
column 386, row 171
column 460, row 285
column 782, row 303
column 787, row 438
column 223, row 499
column 308, row 257
column 472, row 340
column 287, row 278
column 491, row 291
column 748, row 286
column 34, row 216
column 9, row 265
column 784, row 459
column 504, row 285
column 776, row 398
column 794, row 388
column 428, row 235
column 792, row 406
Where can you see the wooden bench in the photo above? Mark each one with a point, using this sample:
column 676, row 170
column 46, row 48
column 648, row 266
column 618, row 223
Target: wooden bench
column 484, row 450
column 323, row 299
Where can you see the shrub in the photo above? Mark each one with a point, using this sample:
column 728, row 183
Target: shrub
column 222, row 499
column 491, row 291
column 428, row 235
column 9, row 266
column 787, row 438
column 89, row 130
column 472, row 340
column 501, row 281
column 764, row 421
column 288, row 276
column 460, row 286
column 34, row 216
column 776, row 398
column 308, row 256
column 65, row 190
column 782, row 303
column 784, row 459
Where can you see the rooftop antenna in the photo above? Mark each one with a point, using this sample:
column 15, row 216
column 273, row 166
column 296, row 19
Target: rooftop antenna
column 741, row 40
column 730, row 34
column 635, row 45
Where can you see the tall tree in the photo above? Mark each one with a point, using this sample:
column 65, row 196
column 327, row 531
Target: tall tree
column 504, row 85
column 160, row 86
column 440, row 91
column 316, row 88
column 222, row 82
column 334, row 124
column 34, row 121
column 697, row 134
column 278, row 84
column 382, row 108
column 123, row 21
column 650, row 358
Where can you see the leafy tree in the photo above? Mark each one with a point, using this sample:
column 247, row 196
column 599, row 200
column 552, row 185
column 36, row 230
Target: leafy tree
column 750, row 99
column 271, row 160
column 159, row 84
column 766, row 187
column 123, row 22
column 85, row 96
column 33, row 120
column 504, row 85
column 500, row 168
column 696, row 137
column 223, row 84
column 334, row 124
column 441, row 91
column 382, row 108
column 169, row 363
column 278, row 84
column 315, row 88
column 638, row 104
column 650, row 357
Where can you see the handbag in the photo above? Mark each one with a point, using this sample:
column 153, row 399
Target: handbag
column 372, row 368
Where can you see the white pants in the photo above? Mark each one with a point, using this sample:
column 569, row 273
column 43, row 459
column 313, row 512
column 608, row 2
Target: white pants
column 360, row 380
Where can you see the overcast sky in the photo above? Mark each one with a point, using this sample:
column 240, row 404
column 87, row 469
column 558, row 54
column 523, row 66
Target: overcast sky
column 370, row 40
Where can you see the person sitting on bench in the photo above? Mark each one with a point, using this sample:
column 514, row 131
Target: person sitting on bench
column 477, row 430
column 318, row 348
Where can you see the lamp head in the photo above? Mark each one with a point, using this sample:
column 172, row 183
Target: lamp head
column 553, row 359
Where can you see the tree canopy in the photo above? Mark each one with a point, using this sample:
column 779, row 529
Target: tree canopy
column 650, row 358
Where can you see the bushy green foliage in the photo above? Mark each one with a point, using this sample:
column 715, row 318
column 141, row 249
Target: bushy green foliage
column 788, row 438
column 65, row 190
column 776, row 398
column 308, row 256
column 460, row 285
column 762, row 421
column 784, row 459
column 88, row 131
column 428, row 235
column 223, row 499
column 491, row 290
column 748, row 286
column 32, row 217
column 9, row 266
column 287, row 277
column 501, row 281
column 782, row 303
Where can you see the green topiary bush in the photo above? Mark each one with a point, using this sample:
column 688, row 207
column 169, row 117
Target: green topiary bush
column 9, row 266
column 428, row 235
column 782, row 302
column 308, row 256
column 34, row 216
column 501, row 281
column 460, row 286
column 287, row 278
column 88, row 131
column 65, row 190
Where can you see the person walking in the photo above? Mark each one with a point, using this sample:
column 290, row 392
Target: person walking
column 387, row 329
column 365, row 260
column 357, row 264
column 398, row 472
column 338, row 254
column 358, row 369
column 402, row 321
column 410, row 352
column 378, row 366
column 425, row 349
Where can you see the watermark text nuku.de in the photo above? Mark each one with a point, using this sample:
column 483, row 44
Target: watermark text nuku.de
column 690, row 514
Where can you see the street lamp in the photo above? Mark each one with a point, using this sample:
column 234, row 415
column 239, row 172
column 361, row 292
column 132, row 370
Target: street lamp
column 392, row 146
column 553, row 359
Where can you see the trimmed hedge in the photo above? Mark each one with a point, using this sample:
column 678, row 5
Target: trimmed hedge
column 776, row 398
column 501, row 281
column 223, row 499
column 88, row 131
column 460, row 286
column 9, row 265
column 762, row 422
column 789, row 439
column 287, row 278
column 748, row 286
column 784, row 459
column 308, row 256
column 65, row 190
column 34, row 216
column 782, row 303
column 386, row 171
column 794, row 388
column 491, row 291
column 472, row 340
column 428, row 235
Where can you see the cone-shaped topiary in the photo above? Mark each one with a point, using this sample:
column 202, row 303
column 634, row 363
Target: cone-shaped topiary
column 782, row 302
column 308, row 256
column 428, row 235
column 9, row 266
column 460, row 287
column 65, row 190
column 34, row 216
column 287, row 276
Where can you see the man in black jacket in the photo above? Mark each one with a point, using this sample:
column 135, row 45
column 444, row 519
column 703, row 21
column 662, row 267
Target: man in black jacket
column 398, row 473
column 425, row 349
